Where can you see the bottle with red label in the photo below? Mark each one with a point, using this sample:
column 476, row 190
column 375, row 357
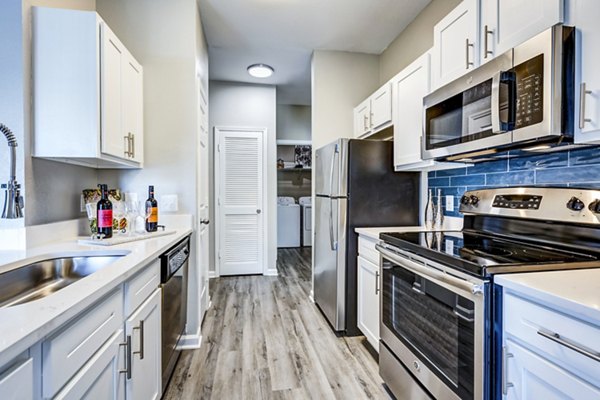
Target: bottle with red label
column 104, row 213
column 151, row 211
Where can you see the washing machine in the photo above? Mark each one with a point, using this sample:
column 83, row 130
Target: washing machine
column 288, row 222
column 306, row 220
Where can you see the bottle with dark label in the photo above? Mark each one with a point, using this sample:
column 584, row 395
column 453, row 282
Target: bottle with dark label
column 151, row 211
column 104, row 213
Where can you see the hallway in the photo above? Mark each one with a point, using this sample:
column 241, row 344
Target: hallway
column 264, row 339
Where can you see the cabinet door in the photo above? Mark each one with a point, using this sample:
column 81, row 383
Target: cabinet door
column 144, row 327
column 133, row 107
column 409, row 88
column 101, row 378
column 456, row 43
column 17, row 381
column 587, row 15
column 529, row 376
column 508, row 23
column 368, row 301
column 362, row 118
column 111, row 78
column 381, row 107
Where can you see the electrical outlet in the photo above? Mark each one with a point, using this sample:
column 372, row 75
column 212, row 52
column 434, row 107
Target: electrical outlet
column 449, row 203
column 168, row 203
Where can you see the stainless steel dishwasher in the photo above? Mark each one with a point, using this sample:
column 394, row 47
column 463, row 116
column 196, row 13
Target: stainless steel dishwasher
column 173, row 278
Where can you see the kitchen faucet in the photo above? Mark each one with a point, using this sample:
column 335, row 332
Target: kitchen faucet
column 13, row 202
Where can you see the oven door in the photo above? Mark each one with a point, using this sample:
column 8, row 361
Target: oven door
column 434, row 323
column 475, row 112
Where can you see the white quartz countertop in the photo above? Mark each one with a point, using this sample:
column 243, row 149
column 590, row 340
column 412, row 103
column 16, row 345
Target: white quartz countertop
column 23, row 325
column 574, row 292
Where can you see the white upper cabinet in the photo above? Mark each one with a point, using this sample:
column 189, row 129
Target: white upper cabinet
column 362, row 118
column 409, row 88
column 374, row 114
column 456, row 43
column 507, row 23
column 586, row 15
column 87, row 92
column 381, row 107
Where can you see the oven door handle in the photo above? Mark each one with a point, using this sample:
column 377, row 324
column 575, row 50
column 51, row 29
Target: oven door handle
column 429, row 272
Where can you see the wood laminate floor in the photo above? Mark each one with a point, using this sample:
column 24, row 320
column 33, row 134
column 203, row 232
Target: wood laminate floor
column 264, row 339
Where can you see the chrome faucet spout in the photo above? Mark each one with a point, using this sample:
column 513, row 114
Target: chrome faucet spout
column 13, row 202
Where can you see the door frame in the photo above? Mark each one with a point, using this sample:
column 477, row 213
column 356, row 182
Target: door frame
column 264, row 206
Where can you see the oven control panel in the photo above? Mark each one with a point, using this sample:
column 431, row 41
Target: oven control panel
column 517, row 201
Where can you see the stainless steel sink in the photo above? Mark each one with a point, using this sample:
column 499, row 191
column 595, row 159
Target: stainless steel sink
column 42, row 278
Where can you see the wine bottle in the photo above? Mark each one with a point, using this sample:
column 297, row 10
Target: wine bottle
column 151, row 211
column 104, row 213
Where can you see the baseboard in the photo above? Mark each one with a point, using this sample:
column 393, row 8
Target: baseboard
column 212, row 274
column 271, row 272
column 190, row 342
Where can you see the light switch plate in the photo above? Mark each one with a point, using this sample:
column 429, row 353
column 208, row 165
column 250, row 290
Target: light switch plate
column 449, row 203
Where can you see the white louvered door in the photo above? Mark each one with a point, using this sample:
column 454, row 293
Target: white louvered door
column 240, row 201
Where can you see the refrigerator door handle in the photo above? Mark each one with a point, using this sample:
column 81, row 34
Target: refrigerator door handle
column 331, row 171
column 332, row 244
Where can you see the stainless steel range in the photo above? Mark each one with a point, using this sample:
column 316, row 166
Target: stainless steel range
column 440, row 311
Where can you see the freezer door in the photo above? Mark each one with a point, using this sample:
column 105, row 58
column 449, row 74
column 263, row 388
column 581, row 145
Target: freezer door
column 330, row 262
column 331, row 169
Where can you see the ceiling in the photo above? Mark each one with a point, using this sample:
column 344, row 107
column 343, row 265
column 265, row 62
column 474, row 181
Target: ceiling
column 284, row 33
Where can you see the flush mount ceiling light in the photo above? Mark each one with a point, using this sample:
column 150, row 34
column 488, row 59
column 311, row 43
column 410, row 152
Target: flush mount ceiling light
column 260, row 70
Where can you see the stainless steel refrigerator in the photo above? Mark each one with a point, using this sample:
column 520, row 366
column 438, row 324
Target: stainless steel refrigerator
column 355, row 186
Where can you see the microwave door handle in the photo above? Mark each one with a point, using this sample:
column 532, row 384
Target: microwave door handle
column 500, row 78
column 496, row 123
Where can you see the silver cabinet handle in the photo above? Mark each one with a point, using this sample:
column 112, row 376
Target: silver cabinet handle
column 127, row 146
column 469, row 63
column 377, row 283
column 582, row 93
column 127, row 345
column 132, row 150
column 141, row 329
column 505, row 383
column 365, row 120
column 371, row 120
column 555, row 337
column 258, row 211
column 486, row 33
column 205, row 221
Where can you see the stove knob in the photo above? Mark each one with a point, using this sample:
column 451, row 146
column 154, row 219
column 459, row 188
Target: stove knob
column 595, row 206
column 474, row 200
column 465, row 200
column 575, row 204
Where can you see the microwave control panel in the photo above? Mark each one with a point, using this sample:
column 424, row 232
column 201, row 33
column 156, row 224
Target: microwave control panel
column 517, row 201
column 530, row 92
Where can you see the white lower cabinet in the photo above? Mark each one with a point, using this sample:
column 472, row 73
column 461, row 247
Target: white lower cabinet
column 102, row 376
column 529, row 376
column 144, row 328
column 17, row 379
column 547, row 354
column 368, row 301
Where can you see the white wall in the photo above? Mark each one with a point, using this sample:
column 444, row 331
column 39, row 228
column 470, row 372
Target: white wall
column 293, row 122
column 340, row 81
column 163, row 37
column 235, row 104
column 414, row 40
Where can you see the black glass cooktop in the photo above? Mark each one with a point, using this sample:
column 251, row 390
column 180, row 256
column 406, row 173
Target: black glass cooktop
column 481, row 254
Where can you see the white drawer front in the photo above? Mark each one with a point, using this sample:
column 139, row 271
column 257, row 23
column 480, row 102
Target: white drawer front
column 524, row 319
column 17, row 381
column 366, row 249
column 141, row 286
column 65, row 353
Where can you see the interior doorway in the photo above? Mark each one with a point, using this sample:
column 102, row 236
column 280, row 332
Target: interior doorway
column 240, row 186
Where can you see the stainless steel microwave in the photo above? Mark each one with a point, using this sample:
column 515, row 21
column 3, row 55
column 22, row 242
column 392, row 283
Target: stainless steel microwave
column 520, row 98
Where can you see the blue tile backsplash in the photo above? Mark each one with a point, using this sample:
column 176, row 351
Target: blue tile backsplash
column 573, row 168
